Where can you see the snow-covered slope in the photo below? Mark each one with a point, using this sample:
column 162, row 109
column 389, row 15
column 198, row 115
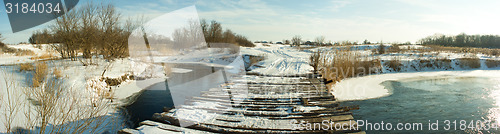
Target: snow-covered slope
column 279, row 59
column 9, row 58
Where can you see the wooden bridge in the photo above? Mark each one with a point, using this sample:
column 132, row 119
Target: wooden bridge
column 262, row 104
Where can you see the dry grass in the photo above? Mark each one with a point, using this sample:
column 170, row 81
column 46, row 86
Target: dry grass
column 394, row 49
column 395, row 64
column 253, row 60
column 167, row 68
column 486, row 51
column 52, row 108
column 20, row 52
column 26, row 67
column 40, row 73
column 57, row 73
column 469, row 63
column 43, row 56
column 492, row 63
column 340, row 64
column 57, row 104
column 17, row 52
column 256, row 59
column 435, row 63
column 426, row 63
column 443, row 63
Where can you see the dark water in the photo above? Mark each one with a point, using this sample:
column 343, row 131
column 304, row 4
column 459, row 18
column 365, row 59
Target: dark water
column 431, row 100
column 164, row 94
column 150, row 101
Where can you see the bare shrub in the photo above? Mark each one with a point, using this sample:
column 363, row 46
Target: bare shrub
column 296, row 40
column 394, row 49
column 40, row 74
column 426, row 63
column 487, row 51
column 21, row 52
column 17, row 52
column 443, row 63
column 61, row 109
column 43, row 56
column 26, row 67
column 381, row 48
column 11, row 100
column 494, row 52
column 314, row 60
column 492, row 63
column 395, row 64
column 469, row 63
column 345, row 64
column 57, row 73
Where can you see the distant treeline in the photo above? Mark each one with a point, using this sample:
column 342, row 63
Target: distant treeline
column 463, row 40
column 214, row 34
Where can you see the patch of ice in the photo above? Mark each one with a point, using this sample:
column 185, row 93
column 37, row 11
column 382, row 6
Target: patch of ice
column 196, row 115
column 307, row 108
column 369, row 87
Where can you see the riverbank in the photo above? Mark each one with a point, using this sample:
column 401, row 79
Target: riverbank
column 370, row 87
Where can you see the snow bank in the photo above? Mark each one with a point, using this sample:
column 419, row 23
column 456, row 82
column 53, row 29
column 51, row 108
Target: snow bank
column 369, row 87
column 411, row 47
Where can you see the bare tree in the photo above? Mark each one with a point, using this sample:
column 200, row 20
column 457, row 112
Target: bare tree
column 320, row 40
column 381, row 48
column 296, row 40
column 65, row 30
column 286, row 42
column 228, row 36
column 214, row 34
column 366, row 42
column 92, row 30
column 190, row 36
column 89, row 29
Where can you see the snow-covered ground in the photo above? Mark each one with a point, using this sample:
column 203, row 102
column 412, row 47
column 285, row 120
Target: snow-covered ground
column 278, row 60
column 370, row 87
column 367, row 87
column 75, row 77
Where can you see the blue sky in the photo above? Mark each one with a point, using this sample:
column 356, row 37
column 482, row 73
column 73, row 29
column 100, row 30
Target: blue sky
column 337, row 20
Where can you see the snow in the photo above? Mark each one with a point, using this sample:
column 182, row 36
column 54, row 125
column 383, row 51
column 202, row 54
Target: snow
column 44, row 48
column 411, row 47
column 6, row 59
column 145, row 129
column 301, row 108
column 10, row 74
column 196, row 115
column 369, row 87
column 9, row 58
column 279, row 59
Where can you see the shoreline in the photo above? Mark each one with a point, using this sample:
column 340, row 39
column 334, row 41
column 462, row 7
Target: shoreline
column 370, row 87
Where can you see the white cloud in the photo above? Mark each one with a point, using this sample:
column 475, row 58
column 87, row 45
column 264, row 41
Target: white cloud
column 338, row 4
